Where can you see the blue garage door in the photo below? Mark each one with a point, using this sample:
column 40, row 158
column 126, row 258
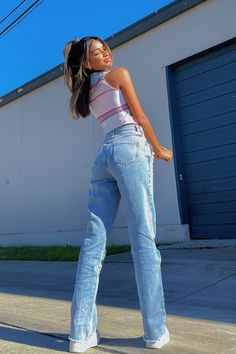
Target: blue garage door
column 205, row 98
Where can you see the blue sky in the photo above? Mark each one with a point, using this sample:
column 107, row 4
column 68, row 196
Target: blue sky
column 35, row 45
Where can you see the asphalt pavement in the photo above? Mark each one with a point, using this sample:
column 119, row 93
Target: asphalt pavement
column 199, row 280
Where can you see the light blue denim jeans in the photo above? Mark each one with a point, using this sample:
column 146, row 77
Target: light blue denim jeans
column 122, row 167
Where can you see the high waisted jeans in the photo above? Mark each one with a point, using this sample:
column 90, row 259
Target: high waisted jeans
column 122, row 167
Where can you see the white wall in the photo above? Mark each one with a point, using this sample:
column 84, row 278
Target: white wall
column 46, row 155
column 46, row 160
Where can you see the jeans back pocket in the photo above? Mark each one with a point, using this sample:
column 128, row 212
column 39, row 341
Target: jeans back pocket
column 125, row 152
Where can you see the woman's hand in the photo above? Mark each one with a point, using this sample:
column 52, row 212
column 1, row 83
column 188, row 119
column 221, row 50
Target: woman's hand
column 163, row 154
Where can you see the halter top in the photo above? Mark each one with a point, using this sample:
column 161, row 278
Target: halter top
column 107, row 103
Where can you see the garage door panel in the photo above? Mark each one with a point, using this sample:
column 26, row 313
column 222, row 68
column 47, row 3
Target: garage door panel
column 205, row 106
column 210, row 78
column 214, row 197
column 206, row 63
column 208, row 109
column 214, row 153
column 210, row 138
column 211, row 169
column 212, row 185
column 210, row 93
column 211, row 219
column 209, row 208
column 214, row 231
column 212, row 122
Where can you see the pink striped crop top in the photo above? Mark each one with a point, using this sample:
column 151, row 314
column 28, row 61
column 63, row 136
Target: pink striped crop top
column 107, row 103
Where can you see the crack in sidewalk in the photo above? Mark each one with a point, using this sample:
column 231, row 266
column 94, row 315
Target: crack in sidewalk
column 199, row 290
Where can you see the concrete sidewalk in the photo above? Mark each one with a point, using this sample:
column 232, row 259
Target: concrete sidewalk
column 199, row 286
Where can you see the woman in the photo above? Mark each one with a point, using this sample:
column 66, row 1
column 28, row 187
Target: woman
column 122, row 167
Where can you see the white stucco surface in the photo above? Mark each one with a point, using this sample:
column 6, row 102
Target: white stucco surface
column 46, row 156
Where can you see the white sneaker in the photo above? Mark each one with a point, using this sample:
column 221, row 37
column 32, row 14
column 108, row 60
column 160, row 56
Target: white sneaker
column 164, row 339
column 81, row 346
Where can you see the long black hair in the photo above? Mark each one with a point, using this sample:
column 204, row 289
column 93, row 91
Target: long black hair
column 76, row 76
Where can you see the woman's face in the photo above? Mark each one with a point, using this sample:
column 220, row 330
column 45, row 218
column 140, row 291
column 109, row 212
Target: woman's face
column 99, row 56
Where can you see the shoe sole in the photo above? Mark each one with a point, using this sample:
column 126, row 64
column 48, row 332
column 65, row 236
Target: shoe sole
column 161, row 343
column 74, row 347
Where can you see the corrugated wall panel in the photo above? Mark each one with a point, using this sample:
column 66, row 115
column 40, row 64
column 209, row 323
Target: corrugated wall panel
column 205, row 93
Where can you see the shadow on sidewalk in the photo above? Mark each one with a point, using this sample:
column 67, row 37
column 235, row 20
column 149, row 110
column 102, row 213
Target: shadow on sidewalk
column 197, row 283
column 54, row 341
column 59, row 342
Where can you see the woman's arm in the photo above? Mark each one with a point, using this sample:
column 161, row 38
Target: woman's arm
column 124, row 82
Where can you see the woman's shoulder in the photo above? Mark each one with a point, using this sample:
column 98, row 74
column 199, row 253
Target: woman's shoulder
column 119, row 71
column 117, row 75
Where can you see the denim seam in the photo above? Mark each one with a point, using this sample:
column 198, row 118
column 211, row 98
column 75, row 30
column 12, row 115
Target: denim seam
column 97, row 268
column 153, row 340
